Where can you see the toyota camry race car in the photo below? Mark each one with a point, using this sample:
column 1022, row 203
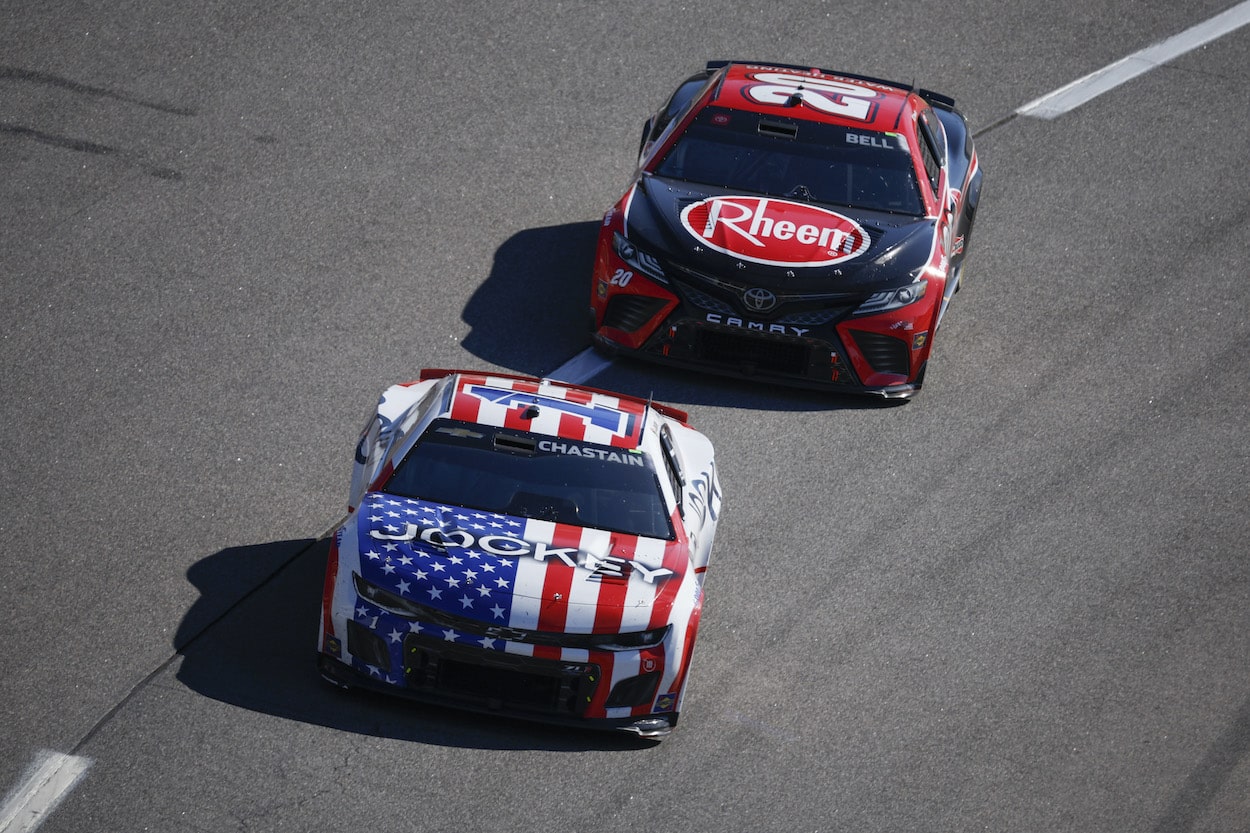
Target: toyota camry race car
column 523, row 546
column 797, row 225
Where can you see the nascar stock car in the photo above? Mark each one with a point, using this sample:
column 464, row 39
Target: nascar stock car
column 791, row 224
column 526, row 547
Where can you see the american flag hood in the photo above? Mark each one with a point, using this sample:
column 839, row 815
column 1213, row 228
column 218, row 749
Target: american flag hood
column 488, row 570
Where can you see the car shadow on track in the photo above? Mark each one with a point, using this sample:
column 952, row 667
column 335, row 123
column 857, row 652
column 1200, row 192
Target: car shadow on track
column 256, row 650
column 678, row 386
column 532, row 314
column 532, row 311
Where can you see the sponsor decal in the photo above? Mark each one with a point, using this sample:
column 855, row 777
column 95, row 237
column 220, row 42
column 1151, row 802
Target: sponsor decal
column 731, row 321
column 665, row 703
column 602, row 566
column 875, row 140
column 704, row 497
column 919, row 340
column 775, row 232
column 556, row 447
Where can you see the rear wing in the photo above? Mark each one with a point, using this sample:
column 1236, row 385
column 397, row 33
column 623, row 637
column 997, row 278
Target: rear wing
column 660, row 408
column 928, row 95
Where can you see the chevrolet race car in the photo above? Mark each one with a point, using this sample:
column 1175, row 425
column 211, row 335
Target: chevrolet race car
column 796, row 225
column 523, row 546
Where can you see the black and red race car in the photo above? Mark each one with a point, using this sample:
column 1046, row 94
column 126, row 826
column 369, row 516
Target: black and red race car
column 791, row 224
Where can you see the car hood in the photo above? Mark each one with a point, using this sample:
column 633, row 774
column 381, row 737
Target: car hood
column 775, row 242
column 515, row 571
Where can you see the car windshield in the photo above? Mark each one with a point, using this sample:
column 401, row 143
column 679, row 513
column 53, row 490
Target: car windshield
column 534, row 476
column 796, row 159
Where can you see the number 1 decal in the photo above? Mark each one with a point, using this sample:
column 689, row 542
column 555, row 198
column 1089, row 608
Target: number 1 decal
column 837, row 98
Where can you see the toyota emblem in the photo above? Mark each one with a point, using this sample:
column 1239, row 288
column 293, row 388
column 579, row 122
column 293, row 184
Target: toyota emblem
column 758, row 299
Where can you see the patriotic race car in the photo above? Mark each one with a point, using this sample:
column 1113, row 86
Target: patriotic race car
column 796, row 225
column 523, row 546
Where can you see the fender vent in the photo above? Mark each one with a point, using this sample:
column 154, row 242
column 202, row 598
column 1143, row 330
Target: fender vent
column 885, row 354
column 631, row 312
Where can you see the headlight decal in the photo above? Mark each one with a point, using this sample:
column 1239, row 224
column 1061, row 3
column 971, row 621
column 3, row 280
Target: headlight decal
column 892, row 299
column 644, row 262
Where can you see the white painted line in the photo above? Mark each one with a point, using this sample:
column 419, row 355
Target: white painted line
column 48, row 781
column 581, row 368
column 1073, row 95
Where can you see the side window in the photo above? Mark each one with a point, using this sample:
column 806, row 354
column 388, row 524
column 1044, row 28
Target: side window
column 675, row 109
column 932, row 167
column 672, row 466
column 681, row 98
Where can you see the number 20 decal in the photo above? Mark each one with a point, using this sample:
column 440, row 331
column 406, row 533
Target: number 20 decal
column 621, row 277
column 837, row 98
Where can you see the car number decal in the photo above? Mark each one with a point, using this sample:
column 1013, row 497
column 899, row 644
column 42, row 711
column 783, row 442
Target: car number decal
column 837, row 98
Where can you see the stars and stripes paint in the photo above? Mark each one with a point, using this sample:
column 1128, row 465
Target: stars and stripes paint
column 465, row 581
column 548, row 598
column 482, row 579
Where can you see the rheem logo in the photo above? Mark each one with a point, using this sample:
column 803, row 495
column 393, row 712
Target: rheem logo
column 775, row 232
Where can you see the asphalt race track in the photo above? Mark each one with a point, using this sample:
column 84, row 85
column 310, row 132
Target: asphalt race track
column 1019, row 603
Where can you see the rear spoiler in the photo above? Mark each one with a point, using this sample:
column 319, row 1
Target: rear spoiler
column 928, row 95
column 660, row 408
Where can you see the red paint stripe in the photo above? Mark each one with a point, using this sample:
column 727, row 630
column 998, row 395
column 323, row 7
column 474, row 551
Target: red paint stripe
column 633, row 437
column 619, row 441
column 548, row 652
column 464, row 406
column 524, row 386
column 572, row 427
column 554, row 611
column 581, row 397
column 612, row 591
column 649, row 661
column 692, row 630
column 677, row 559
column 513, row 422
column 597, row 707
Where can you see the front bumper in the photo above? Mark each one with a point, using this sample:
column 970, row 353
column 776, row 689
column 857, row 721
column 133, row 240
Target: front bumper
column 868, row 363
column 546, row 691
column 807, row 340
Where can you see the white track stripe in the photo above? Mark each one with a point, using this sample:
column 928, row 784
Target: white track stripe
column 1073, row 95
column 581, row 368
column 48, row 781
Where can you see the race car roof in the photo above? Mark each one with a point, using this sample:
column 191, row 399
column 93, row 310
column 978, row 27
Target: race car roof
column 544, row 406
column 813, row 94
